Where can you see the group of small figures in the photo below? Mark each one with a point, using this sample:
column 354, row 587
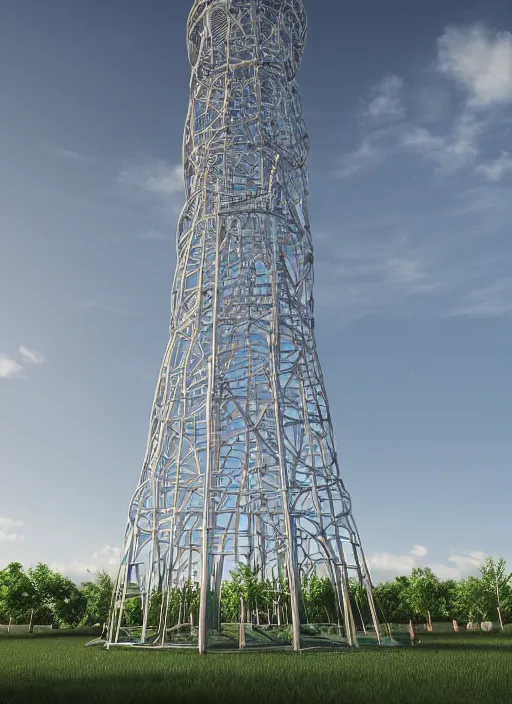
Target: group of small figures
column 485, row 626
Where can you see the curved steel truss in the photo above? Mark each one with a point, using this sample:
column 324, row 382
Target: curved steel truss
column 240, row 466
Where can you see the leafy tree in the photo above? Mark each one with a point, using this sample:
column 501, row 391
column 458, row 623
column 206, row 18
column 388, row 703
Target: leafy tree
column 246, row 586
column 155, row 606
column 319, row 600
column 133, row 611
column 469, row 599
column 496, row 587
column 252, row 589
column 17, row 594
column 175, row 611
column 42, row 595
column 183, row 604
column 70, row 608
column 390, row 600
column 98, row 596
column 230, row 599
column 424, row 595
column 359, row 601
column 447, row 591
column 57, row 598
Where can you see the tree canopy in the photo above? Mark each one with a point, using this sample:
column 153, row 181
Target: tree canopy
column 41, row 595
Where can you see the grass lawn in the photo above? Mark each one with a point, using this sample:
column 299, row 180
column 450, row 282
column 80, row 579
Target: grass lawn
column 446, row 669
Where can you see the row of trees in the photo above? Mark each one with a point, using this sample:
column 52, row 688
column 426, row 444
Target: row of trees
column 423, row 596
column 40, row 595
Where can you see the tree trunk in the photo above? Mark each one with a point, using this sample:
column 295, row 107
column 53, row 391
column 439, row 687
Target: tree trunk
column 241, row 638
column 31, row 624
column 9, row 625
column 500, row 617
column 429, row 622
column 412, row 634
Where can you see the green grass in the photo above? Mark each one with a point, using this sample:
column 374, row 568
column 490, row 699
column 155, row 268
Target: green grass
column 447, row 669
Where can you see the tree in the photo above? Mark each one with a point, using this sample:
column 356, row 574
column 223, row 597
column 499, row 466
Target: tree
column 447, row 591
column 17, row 594
column 390, row 600
column 319, row 600
column 469, row 599
column 359, row 600
column 57, row 599
column 248, row 590
column 133, row 611
column 230, row 600
column 424, row 595
column 496, row 587
column 70, row 608
column 98, row 596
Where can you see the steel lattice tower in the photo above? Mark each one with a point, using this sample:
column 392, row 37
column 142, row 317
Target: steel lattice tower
column 241, row 464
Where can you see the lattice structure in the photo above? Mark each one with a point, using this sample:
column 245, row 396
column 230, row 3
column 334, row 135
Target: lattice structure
column 241, row 466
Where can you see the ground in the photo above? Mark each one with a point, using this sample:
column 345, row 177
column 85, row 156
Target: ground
column 450, row 669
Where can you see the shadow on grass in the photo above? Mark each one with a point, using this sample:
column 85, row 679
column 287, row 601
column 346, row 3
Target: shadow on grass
column 49, row 672
column 458, row 647
column 483, row 642
column 178, row 687
column 54, row 633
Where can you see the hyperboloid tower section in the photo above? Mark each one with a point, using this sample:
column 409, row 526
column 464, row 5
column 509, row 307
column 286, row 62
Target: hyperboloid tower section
column 241, row 519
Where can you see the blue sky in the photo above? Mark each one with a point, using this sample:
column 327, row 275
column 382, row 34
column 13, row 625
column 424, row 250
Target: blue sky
column 409, row 110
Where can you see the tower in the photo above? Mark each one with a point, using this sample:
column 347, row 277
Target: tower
column 240, row 467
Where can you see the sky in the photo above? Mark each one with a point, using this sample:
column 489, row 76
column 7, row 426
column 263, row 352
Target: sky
column 409, row 112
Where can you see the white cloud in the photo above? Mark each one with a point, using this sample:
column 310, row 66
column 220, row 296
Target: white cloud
column 388, row 562
column 448, row 152
column 155, row 177
column 491, row 301
column 386, row 101
column 397, row 564
column 468, row 562
column 369, row 280
column 105, row 559
column 459, row 564
column 419, row 551
column 421, row 139
column 158, row 183
column 7, row 532
column 9, row 368
column 432, row 103
column 31, row 356
column 497, row 169
column 401, row 270
column 476, row 59
column 493, row 201
column 480, row 61
column 107, row 555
